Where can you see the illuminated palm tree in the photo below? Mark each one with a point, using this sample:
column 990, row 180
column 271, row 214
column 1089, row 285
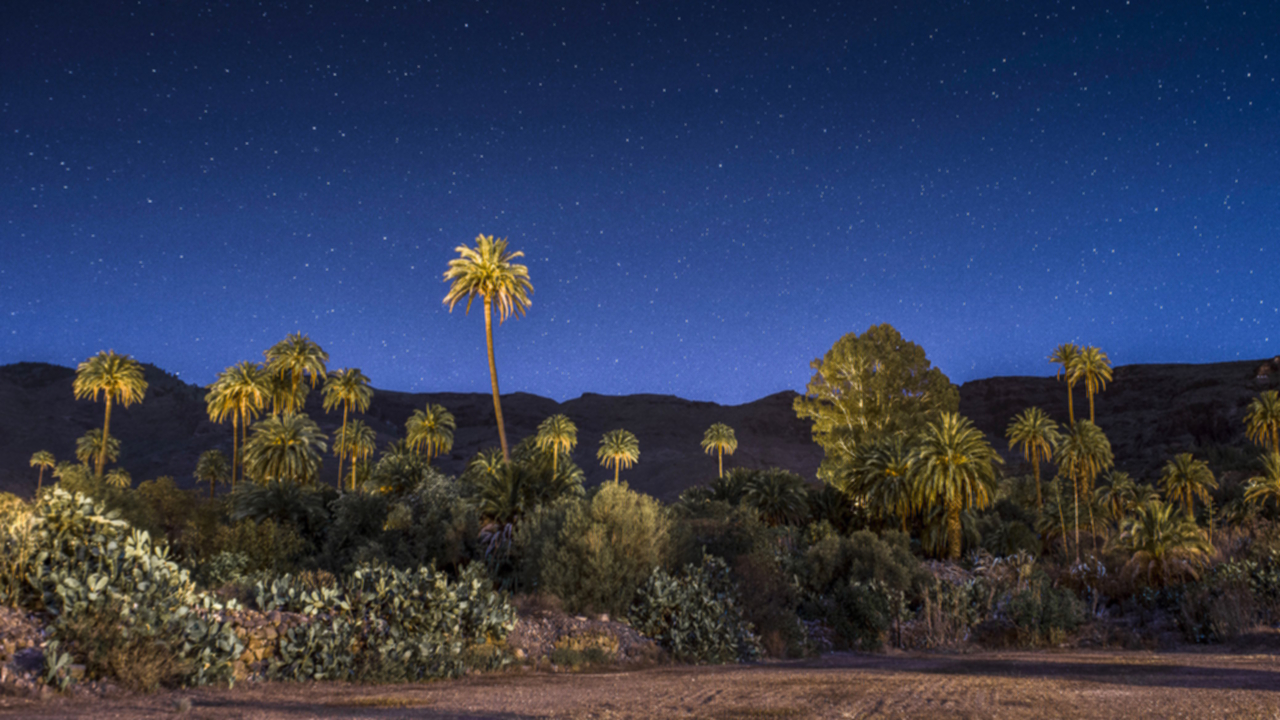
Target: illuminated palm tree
column 358, row 441
column 1262, row 422
column 1083, row 453
column 42, row 459
column 954, row 465
column 212, row 468
column 240, row 393
column 294, row 358
column 1184, row 479
column 1164, row 544
column 880, row 473
column 618, row 449
column 1267, row 485
column 1094, row 368
column 119, row 478
column 431, row 430
column 719, row 439
column 284, row 449
column 487, row 270
column 1065, row 355
column 350, row 389
column 118, row 378
column 89, row 448
column 1037, row 434
column 1119, row 496
column 557, row 434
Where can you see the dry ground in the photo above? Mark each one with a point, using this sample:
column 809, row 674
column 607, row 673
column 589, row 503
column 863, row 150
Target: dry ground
column 1070, row 684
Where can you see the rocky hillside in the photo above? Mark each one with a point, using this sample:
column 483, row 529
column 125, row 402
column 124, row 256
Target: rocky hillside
column 1149, row 411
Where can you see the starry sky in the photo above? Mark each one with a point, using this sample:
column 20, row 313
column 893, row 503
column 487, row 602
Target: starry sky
column 708, row 194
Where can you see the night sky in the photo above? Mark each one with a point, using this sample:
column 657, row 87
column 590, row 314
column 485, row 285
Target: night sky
column 708, row 195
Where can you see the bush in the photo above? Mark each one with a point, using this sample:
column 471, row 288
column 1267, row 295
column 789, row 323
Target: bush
column 695, row 615
column 1044, row 614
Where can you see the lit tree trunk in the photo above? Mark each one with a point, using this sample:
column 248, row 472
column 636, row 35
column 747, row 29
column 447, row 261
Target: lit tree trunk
column 493, row 377
column 720, row 454
column 1071, row 405
column 954, row 534
column 1075, row 488
column 342, row 447
column 106, row 435
column 1062, row 520
column 235, row 447
column 1035, row 465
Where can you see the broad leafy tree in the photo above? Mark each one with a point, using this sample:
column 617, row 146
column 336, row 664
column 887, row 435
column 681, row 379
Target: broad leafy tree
column 1093, row 368
column 557, row 435
column 118, row 379
column 284, row 449
column 349, row 388
column 44, row 460
column 619, row 449
column 431, row 430
column 867, row 387
column 1262, row 421
column 954, row 466
column 1035, row 434
column 213, row 468
column 295, row 358
column 487, row 271
column 719, row 439
column 1066, row 355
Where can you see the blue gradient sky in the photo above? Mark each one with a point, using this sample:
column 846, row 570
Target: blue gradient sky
column 708, row 195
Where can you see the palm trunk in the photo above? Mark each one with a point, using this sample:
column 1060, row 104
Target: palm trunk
column 1075, row 488
column 1035, row 462
column 1071, row 405
column 616, row 468
column 1062, row 520
column 1090, row 407
column 106, row 435
column 720, row 453
column 235, row 448
column 342, row 449
column 493, row 377
column 954, row 534
column 40, row 480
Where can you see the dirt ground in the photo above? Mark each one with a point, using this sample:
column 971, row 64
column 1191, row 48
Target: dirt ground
column 1051, row 684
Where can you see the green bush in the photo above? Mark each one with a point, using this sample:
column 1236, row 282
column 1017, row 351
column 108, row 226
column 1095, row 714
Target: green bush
column 594, row 553
column 1044, row 614
column 695, row 615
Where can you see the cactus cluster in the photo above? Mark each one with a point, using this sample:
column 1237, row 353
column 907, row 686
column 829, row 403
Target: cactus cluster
column 694, row 615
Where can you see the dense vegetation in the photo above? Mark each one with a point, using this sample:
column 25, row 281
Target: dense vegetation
column 916, row 533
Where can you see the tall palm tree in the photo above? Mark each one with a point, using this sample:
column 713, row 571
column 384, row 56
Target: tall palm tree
column 1262, row 421
column 358, row 441
column 880, row 473
column 719, row 439
column 118, row 378
column 557, row 434
column 955, row 466
column 119, row 478
column 618, row 449
column 1083, row 454
column 1094, row 368
column 1065, row 355
column 1119, row 496
column 487, row 270
column 1037, row 434
column 296, row 357
column 89, row 447
column 240, row 393
column 42, row 459
column 1267, row 485
column 350, row 389
column 1163, row 544
column 431, row 430
column 212, row 468
column 284, row 449
column 1184, row 479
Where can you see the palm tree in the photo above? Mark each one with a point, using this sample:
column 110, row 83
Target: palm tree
column 284, row 449
column 719, row 439
column 350, row 389
column 1065, row 355
column 431, row 431
column 240, row 392
column 42, row 459
column 212, row 468
column 1083, row 453
column 557, row 434
column 1164, row 544
column 89, row 447
column 358, row 441
column 1037, row 434
column 118, row 378
column 1267, row 485
column 953, row 464
column 618, row 449
column 1184, row 479
column 486, row 270
column 781, row 497
column 1119, row 496
column 119, row 478
column 881, row 474
column 1262, row 422
column 295, row 357
column 1094, row 368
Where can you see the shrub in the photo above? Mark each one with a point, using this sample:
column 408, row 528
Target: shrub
column 1044, row 614
column 695, row 615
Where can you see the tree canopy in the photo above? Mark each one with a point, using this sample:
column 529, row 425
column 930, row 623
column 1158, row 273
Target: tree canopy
column 869, row 386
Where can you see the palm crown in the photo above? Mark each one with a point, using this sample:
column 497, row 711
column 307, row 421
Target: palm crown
column 1037, row 434
column 349, row 388
column 1066, row 355
column 619, row 449
column 431, row 430
column 955, row 466
column 557, row 434
column 295, row 357
column 240, row 392
column 42, row 459
column 1093, row 367
column 118, row 378
column 1262, row 421
column 719, row 439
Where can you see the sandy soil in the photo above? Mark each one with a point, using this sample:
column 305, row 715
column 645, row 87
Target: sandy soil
column 1069, row 684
